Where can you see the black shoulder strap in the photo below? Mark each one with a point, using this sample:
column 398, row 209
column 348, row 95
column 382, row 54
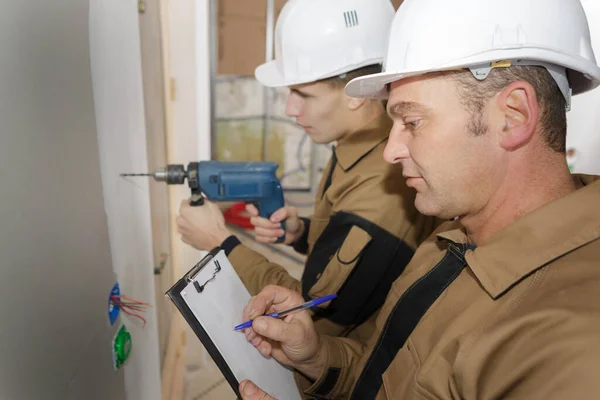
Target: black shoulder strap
column 405, row 316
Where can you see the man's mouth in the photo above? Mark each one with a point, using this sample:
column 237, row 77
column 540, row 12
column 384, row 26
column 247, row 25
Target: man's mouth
column 411, row 181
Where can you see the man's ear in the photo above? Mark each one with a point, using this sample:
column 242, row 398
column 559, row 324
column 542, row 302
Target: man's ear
column 355, row 103
column 519, row 109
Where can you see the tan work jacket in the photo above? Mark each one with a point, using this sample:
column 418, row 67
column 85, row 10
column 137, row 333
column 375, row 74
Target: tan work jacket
column 515, row 318
column 362, row 235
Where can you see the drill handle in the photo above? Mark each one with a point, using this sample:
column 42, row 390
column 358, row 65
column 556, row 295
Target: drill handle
column 266, row 208
column 197, row 199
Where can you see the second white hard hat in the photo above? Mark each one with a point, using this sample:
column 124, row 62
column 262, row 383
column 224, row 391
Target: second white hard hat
column 438, row 35
column 318, row 39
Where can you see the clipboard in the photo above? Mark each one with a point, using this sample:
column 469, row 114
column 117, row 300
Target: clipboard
column 211, row 298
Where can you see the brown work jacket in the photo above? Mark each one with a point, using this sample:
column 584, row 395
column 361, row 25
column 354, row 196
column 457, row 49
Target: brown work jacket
column 517, row 317
column 362, row 235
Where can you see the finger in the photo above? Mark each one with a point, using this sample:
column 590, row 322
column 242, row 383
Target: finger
column 263, row 346
column 259, row 306
column 284, row 213
column 267, row 240
column 250, row 334
column 185, row 240
column 181, row 222
column 278, row 330
column 249, row 309
column 278, row 297
column 257, row 341
column 265, row 349
column 281, row 214
column 271, row 298
column 260, row 222
column 213, row 206
column 252, row 210
column 268, row 233
column 183, row 230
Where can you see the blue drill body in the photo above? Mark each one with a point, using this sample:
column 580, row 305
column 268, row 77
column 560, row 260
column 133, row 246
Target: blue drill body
column 250, row 182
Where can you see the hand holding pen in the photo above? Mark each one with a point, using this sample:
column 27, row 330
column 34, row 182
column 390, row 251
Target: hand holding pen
column 293, row 340
column 282, row 314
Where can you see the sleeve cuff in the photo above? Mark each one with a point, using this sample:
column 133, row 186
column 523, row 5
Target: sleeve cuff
column 301, row 245
column 330, row 383
column 229, row 244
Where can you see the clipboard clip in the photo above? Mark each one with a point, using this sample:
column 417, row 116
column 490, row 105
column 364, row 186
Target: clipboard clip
column 199, row 287
column 190, row 276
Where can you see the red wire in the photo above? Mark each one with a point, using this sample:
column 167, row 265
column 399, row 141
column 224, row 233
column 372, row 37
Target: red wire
column 125, row 307
column 119, row 297
column 135, row 315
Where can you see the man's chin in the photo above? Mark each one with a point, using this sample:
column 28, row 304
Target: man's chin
column 426, row 207
column 317, row 139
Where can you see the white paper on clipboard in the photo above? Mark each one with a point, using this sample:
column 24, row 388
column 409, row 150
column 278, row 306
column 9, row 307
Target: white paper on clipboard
column 218, row 308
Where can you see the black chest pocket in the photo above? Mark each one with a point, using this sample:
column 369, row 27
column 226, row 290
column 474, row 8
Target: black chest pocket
column 359, row 261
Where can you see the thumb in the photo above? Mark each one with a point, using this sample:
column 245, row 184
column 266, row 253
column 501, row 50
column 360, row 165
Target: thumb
column 212, row 205
column 278, row 330
column 250, row 391
column 279, row 215
column 252, row 210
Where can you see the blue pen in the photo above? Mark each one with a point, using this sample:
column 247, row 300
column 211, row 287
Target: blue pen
column 308, row 304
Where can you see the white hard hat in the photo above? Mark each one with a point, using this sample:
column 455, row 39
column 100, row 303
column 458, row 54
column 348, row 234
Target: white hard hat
column 318, row 39
column 438, row 35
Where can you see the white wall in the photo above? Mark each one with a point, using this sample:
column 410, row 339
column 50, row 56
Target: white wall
column 188, row 116
column 189, row 138
column 118, row 96
column 584, row 117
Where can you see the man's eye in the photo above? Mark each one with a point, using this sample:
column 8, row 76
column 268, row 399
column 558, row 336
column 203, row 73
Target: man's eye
column 412, row 125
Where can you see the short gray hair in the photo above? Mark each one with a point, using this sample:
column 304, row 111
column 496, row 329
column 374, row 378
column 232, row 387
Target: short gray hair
column 553, row 117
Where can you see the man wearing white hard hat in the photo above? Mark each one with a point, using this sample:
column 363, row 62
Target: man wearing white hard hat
column 365, row 227
column 503, row 302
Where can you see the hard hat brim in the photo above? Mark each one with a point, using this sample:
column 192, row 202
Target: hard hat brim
column 372, row 86
column 268, row 75
column 584, row 75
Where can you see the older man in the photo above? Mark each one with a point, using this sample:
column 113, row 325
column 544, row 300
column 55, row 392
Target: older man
column 502, row 302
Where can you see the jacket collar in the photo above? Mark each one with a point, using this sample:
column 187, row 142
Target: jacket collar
column 534, row 240
column 360, row 143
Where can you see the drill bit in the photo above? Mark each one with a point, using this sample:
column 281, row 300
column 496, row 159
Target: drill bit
column 147, row 174
column 171, row 174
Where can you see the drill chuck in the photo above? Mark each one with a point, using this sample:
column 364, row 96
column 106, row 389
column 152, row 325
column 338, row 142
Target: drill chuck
column 172, row 174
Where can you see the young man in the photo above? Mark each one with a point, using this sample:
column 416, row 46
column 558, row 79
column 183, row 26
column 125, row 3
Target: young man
column 365, row 228
column 502, row 303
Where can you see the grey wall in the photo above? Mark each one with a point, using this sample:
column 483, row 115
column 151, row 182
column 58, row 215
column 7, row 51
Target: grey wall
column 54, row 251
column 119, row 105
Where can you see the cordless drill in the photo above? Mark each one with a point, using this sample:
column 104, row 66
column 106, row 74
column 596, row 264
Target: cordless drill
column 250, row 182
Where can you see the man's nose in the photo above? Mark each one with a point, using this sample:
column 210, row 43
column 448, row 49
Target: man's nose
column 293, row 108
column 396, row 149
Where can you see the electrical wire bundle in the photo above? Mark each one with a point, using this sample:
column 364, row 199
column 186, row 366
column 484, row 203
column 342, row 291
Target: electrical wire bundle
column 134, row 309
